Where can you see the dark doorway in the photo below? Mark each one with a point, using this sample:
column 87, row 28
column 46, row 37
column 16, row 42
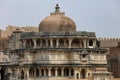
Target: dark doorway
column 77, row 75
column 83, row 73
column 22, row 74
column 2, row 74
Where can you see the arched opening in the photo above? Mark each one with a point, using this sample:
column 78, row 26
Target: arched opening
column 54, row 43
column 83, row 73
column 52, row 72
column 59, row 72
column 31, row 72
column 43, row 43
column 72, row 72
column 75, row 43
column 29, row 43
column 46, row 71
column 82, row 44
column 38, row 43
column 37, row 72
column 22, row 74
column 66, row 72
column 90, row 43
column 48, row 43
column 67, row 43
column 42, row 72
column 61, row 43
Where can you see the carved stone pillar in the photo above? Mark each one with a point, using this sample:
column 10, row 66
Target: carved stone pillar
column 40, row 73
column 16, row 73
column 34, row 72
column 27, row 74
column 85, row 43
column 57, row 43
column 56, row 73
column 69, row 71
column 40, row 42
column 46, row 42
column 94, row 43
column 62, row 71
column 34, row 41
column 80, row 43
column 65, row 43
column 49, row 71
column 24, row 44
column 70, row 41
column 44, row 72
column 51, row 43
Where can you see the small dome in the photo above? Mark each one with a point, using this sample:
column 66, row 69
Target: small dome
column 57, row 21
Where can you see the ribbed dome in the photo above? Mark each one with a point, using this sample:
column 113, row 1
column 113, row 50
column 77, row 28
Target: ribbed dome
column 57, row 21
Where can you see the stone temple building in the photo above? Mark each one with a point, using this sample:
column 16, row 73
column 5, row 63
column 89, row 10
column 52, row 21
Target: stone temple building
column 56, row 52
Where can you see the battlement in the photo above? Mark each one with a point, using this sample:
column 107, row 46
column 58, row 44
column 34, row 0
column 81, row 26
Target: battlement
column 109, row 39
column 108, row 42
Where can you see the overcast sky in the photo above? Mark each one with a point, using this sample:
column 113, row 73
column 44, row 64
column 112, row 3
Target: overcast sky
column 99, row 16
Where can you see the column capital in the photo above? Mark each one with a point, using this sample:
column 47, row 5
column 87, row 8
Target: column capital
column 56, row 67
column 49, row 68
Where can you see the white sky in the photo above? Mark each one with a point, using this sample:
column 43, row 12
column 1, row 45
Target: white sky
column 99, row 16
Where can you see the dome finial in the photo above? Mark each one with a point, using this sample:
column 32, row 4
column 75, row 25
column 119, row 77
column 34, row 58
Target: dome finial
column 57, row 11
column 57, row 8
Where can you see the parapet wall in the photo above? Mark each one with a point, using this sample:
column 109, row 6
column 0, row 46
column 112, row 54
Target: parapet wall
column 108, row 42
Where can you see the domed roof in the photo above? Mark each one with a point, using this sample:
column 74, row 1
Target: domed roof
column 57, row 21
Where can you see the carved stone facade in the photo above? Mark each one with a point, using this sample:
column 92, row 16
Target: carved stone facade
column 56, row 55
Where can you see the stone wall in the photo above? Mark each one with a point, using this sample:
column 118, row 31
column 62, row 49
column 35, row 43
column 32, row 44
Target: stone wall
column 9, row 29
